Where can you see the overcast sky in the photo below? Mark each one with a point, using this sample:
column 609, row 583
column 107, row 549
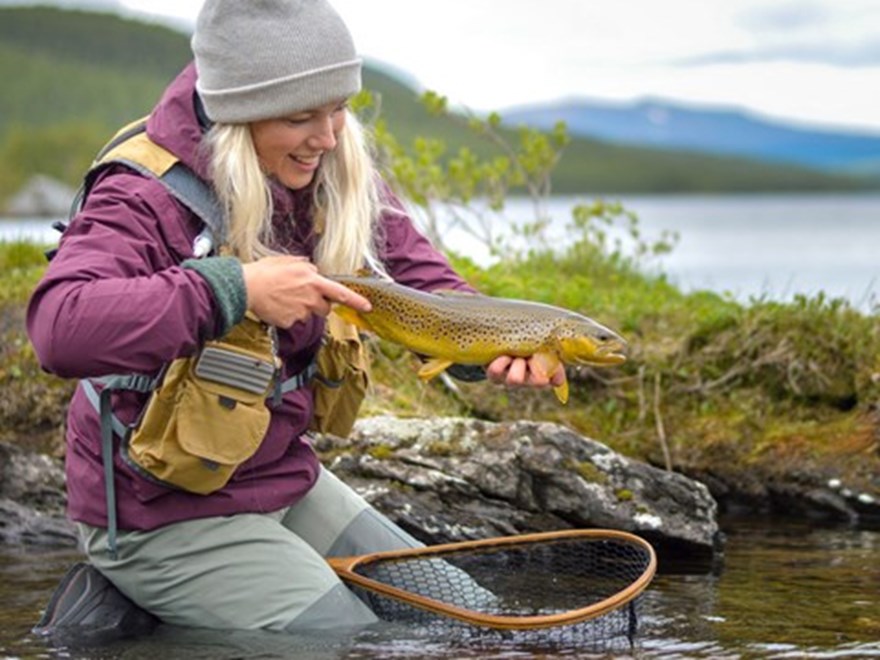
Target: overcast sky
column 812, row 61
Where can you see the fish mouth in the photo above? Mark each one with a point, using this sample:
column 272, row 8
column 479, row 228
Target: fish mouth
column 613, row 358
column 610, row 354
column 608, row 359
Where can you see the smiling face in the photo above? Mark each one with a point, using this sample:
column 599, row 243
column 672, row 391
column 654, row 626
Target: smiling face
column 290, row 148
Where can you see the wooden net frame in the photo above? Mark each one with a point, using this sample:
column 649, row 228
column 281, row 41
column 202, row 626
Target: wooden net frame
column 525, row 582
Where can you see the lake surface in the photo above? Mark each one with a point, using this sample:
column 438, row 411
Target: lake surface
column 770, row 245
column 750, row 246
column 783, row 589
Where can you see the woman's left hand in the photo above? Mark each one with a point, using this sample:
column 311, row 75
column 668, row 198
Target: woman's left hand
column 516, row 371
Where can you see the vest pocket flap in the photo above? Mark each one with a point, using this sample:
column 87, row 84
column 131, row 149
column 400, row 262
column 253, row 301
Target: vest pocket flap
column 234, row 368
column 219, row 426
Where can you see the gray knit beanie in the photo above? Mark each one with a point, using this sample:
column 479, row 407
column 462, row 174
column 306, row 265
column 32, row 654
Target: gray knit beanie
column 261, row 59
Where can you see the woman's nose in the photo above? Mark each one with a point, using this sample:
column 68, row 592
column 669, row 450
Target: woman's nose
column 324, row 136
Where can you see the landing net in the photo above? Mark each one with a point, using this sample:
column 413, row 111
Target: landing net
column 568, row 586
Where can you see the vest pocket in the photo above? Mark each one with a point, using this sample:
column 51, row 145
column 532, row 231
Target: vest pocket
column 341, row 383
column 196, row 431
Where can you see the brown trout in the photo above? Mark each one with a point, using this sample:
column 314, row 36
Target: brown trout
column 452, row 327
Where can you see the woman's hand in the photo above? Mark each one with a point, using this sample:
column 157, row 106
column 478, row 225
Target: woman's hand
column 515, row 371
column 282, row 290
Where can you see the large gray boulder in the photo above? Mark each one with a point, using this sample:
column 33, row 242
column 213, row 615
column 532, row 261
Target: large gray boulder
column 447, row 479
column 451, row 479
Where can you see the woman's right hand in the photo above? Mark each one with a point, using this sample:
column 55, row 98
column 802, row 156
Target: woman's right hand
column 282, row 290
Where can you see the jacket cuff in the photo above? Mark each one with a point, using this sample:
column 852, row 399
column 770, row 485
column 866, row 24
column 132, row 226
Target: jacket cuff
column 225, row 277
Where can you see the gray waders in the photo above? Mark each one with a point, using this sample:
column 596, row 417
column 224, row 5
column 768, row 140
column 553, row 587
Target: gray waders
column 246, row 571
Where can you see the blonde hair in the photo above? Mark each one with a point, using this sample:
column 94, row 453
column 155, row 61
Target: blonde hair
column 346, row 200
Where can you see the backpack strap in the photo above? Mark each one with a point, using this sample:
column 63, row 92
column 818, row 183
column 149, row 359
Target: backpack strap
column 132, row 147
column 111, row 424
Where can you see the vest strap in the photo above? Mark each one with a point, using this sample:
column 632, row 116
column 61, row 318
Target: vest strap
column 111, row 424
column 301, row 379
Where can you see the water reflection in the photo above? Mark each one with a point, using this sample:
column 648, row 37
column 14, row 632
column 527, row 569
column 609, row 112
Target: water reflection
column 784, row 590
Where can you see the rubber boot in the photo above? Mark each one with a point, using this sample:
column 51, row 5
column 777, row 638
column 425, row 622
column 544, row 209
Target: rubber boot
column 87, row 608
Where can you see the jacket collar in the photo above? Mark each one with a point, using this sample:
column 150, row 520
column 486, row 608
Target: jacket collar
column 175, row 123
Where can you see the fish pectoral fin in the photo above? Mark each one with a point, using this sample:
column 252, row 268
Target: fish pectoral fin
column 434, row 367
column 351, row 316
column 547, row 364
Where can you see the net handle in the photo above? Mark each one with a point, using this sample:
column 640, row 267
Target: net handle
column 345, row 569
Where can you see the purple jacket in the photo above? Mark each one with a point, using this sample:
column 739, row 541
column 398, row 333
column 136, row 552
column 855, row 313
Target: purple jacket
column 116, row 300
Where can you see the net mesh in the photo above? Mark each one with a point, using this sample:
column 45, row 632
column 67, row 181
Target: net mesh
column 537, row 578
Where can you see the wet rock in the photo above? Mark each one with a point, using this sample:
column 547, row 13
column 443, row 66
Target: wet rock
column 31, row 478
column 452, row 479
column 32, row 499
column 443, row 480
column 22, row 525
column 808, row 493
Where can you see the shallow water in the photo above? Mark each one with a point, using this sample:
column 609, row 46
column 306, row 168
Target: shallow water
column 783, row 590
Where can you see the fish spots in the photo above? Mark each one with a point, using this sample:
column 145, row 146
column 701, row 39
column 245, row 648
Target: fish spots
column 475, row 329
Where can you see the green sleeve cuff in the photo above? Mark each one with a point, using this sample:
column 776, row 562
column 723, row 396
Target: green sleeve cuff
column 225, row 277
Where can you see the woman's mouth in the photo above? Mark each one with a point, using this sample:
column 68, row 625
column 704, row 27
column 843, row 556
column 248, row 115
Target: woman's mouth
column 308, row 162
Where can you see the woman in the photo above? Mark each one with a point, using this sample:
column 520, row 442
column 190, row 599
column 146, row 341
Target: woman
column 261, row 117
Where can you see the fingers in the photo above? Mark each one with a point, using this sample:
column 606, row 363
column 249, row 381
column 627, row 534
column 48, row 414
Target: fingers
column 558, row 378
column 497, row 369
column 517, row 371
column 282, row 290
column 335, row 292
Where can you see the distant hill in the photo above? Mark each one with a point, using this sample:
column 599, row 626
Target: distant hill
column 60, row 65
column 665, row 125
column 72, row 77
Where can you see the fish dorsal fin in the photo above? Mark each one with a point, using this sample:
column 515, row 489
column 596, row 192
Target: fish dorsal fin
column 368, row 273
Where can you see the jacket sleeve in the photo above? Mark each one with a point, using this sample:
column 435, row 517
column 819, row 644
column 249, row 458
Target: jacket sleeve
column 411, row 259
column 114, row 299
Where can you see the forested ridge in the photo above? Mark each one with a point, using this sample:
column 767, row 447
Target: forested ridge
column 72, row 77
